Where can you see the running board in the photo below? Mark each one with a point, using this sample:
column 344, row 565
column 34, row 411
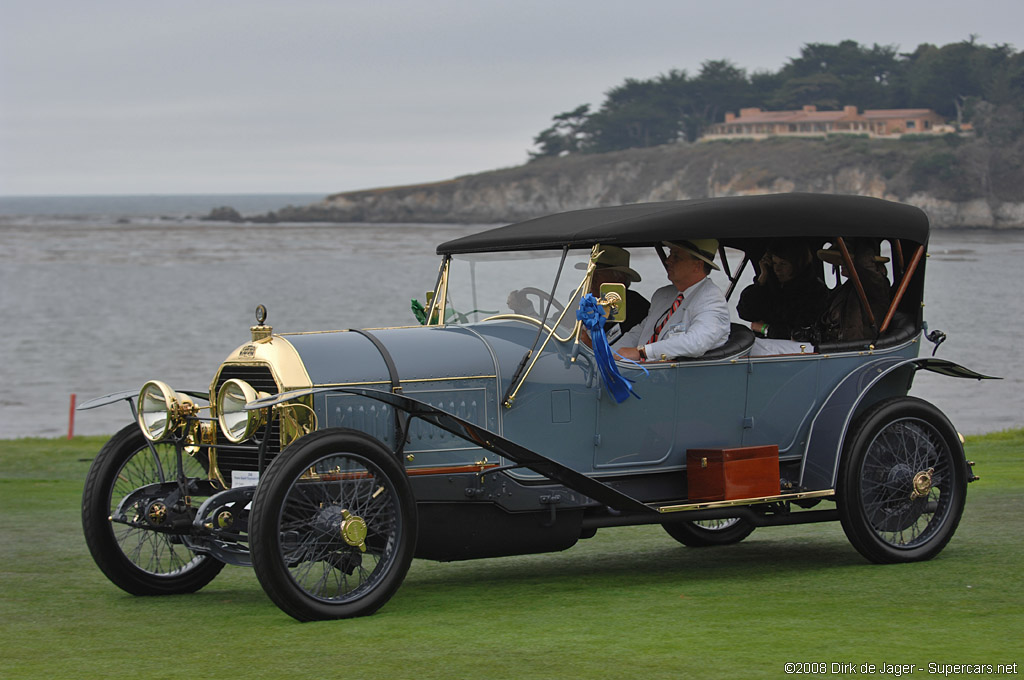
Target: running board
column 553, row 470
column 683, row 506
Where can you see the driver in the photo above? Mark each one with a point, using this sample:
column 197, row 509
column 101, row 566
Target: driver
column 688, row 317
column 612, row 266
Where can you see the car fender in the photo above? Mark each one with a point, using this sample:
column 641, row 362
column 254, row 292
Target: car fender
column 131, row 396
column 863, row 386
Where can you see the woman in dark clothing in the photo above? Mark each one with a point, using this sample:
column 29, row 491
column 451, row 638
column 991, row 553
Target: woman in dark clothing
column 787, row 297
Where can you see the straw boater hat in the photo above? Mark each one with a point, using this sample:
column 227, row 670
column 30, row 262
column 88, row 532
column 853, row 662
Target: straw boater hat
column 858, row 248
column 701, row 248
column 614, row 259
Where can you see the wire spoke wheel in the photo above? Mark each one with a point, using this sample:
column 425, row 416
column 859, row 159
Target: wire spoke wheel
column 710, row 532
column 314, row 518
column 333, row 527
column 902, row 482
column 139, row 560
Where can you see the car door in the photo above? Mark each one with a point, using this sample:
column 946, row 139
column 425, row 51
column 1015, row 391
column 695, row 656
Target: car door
column 681, row 405
column 782, row 397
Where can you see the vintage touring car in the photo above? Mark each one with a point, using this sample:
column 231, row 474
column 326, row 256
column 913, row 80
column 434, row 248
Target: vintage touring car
column 328, row 460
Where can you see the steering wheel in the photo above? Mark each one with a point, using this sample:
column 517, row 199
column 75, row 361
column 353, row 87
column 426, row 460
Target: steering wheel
column 519, row 303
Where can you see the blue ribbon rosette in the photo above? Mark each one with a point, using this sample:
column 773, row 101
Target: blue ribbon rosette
column 593, row 317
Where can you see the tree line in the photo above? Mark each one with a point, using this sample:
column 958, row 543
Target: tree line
column 967, row 82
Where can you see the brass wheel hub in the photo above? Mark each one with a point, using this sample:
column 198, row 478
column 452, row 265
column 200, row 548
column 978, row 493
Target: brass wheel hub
column 922, row 484
column 157, row 513
column 353, row 530
column 225, row 519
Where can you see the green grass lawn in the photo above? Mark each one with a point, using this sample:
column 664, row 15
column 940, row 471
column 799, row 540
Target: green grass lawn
column 628, row 603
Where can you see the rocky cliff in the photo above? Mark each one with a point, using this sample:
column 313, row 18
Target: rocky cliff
column 960, row 183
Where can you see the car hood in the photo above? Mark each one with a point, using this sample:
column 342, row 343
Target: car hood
column 418, row 353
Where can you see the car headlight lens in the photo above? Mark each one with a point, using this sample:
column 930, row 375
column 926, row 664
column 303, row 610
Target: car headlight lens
column 161, row 409
column 236, row 423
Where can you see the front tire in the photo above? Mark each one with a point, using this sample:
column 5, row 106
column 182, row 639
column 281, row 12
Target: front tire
column 139, row 561
column 902, row 481
column 707, row 533
column 333, row 526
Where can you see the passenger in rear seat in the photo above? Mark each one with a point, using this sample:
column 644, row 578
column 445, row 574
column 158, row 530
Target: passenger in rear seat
column 788, row 296
column 845, row 318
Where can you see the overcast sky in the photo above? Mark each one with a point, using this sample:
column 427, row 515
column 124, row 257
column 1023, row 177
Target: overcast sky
column 255, row 96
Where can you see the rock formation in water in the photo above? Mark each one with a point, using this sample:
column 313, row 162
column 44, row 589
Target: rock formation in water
column 959, row 182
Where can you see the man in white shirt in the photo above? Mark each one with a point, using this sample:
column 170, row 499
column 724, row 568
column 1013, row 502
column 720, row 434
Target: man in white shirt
column 688, row 317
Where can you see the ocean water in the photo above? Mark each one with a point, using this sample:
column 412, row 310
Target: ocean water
column 100, row 294
column 162, row 207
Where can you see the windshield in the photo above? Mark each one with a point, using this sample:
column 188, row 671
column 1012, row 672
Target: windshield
column 483, row 285
column 488, row 284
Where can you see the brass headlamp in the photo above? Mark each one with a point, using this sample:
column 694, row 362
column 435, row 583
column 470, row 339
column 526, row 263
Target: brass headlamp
column 236, row 423
column 162, row 410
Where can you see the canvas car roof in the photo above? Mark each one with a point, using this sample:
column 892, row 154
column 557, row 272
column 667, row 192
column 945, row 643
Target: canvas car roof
column 728, row 219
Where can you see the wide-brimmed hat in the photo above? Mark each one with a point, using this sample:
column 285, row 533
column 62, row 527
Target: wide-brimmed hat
column 859, row 250
column 615, row 259
column 701, row 248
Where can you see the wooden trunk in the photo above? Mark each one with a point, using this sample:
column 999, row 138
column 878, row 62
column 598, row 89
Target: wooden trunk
column 730, row 474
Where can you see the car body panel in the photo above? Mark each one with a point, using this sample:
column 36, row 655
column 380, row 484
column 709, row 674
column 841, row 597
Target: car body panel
column 781, row 397
column 866, row 383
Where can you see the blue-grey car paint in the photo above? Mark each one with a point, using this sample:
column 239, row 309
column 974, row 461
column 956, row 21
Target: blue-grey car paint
column 563, row 413
column 869, row 383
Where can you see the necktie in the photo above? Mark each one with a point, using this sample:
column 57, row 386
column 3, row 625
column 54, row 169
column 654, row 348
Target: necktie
column 665, row 317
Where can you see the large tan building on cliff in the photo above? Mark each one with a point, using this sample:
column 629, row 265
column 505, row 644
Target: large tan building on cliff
column 810, row 122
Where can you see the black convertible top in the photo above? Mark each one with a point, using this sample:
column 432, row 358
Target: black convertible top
column 727, row 219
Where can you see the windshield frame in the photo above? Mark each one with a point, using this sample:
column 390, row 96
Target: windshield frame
column 440, row 305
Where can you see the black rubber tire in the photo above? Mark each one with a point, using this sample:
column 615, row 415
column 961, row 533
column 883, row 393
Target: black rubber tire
column 708, row 533
column 295, row 534
column 138, row 561
column 894, row 443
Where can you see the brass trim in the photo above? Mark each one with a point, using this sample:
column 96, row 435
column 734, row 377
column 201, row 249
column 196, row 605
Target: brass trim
column 440, row 302
column 405, row 381
column 353, row 530
column 450, row 470
column 225, row 519
column 214, row 472
column 922, row 484
column 516, row 317
column 551, row 331
column 276, row 354
column 157, row 513
column 345, row 330
column 293, row 421
column 537, row 322
column 683, row 507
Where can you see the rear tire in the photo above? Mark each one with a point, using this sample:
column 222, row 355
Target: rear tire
column 139, row 561
column 333, row 526
column 707, row 533
column 902, row 481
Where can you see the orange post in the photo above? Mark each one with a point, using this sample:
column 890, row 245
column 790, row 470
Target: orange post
column 71, row 417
